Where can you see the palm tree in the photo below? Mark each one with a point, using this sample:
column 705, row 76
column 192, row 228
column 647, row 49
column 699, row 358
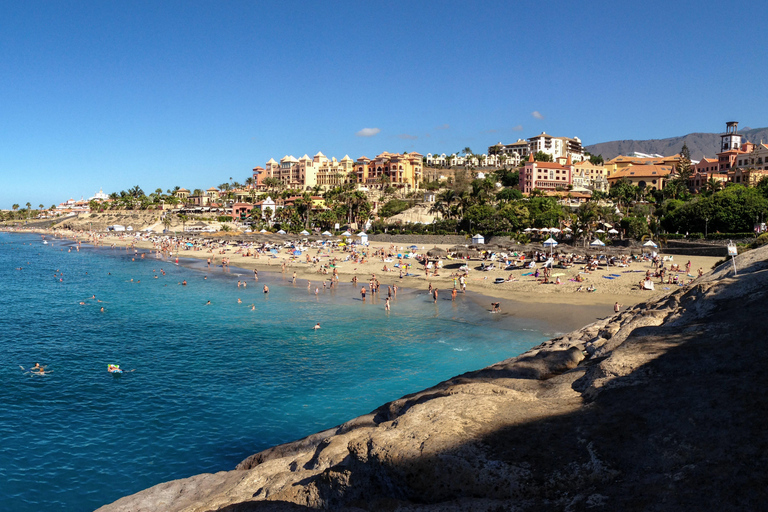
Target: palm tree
column 183, row 218
column 166, row 221
column 713, row 185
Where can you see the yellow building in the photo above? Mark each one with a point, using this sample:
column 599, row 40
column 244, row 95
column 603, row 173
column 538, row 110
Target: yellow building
column 653, row 177
column 403, row 169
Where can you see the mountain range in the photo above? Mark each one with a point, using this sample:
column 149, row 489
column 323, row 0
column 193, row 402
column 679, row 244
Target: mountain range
column 700, row 144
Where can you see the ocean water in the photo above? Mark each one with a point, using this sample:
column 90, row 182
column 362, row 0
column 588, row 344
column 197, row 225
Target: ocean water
column 212, row 384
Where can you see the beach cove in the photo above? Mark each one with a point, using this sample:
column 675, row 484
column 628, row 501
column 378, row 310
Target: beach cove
column 207, row 390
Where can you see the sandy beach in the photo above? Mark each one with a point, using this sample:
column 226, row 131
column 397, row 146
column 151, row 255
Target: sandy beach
column 523, row 296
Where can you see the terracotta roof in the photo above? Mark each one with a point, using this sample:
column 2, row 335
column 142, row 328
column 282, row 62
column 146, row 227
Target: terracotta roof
column 550, row 165
column 636, row 171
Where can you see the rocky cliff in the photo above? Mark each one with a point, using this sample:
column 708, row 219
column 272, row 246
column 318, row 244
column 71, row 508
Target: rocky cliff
column 661, row 407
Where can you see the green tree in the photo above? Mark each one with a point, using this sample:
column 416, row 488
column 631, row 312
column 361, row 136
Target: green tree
column 541, row 156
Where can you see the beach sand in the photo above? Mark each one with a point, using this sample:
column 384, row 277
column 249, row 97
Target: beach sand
column 524, row 297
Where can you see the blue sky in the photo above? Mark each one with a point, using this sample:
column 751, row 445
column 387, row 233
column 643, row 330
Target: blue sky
column 157, row 94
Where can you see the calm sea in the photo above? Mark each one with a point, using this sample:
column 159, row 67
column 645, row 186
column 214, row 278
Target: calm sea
column 213, row 383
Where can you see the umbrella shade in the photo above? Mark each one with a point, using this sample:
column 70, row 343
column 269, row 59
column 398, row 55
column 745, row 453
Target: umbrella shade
column 599, row 231
column 305, row 232
column 527, row 230
column 437, row 252
column 613, row 231
column 554, row 230
column 550, row 242
column 326, row 233
column 414, row 247
column 597, row 243
column 544, row 230
column 346, row 233
column 650, row 243
column 567, row 229
column 281, row 232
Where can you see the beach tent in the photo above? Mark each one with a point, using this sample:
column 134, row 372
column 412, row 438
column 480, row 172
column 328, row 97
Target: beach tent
column 116, row 227
column 650, row 243
column 363, row 237
column 327, row 233
column 478, row 239
column 527, row 230
column 346, row 233
column 597, row 243
column 305, row 232
column 281, row 232
column 263, row 231
column 599, row 231
column 613, row 231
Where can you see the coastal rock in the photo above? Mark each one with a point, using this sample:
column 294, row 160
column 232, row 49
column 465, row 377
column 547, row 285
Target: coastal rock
column 660, row 407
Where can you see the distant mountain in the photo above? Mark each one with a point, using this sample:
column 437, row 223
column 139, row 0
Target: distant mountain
column 700, row 144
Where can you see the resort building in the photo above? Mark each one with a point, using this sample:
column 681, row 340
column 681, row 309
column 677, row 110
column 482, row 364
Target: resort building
column 546, row 176
column 643, row 176
column 182, row 194
column 259, row 173
column 557, row 146
column 515, row 152
column 332, row 173
column 305, row 173
column 400, row 169
column 621, row 162
column 590, row 176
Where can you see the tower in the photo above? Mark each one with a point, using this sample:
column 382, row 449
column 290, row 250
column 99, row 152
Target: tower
column 730, row 139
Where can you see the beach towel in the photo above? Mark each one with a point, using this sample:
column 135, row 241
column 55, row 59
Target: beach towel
column 528, row 274
column 608, row 277
column 615, row 275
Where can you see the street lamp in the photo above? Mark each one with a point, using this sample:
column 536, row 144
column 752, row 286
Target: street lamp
column 706, row 225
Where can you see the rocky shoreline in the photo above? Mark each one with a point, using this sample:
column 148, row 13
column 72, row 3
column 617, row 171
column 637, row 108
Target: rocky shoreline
column 660, row 407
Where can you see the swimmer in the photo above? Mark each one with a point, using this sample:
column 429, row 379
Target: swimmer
column 266, row 289
column 183, row 283
column 102, row 309
column 239, row 301
column 386, row 305
column 208, row 303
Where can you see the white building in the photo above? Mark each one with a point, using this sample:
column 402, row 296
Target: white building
column 557, row 147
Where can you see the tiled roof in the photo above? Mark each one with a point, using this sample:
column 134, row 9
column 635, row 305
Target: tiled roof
column 636, row 171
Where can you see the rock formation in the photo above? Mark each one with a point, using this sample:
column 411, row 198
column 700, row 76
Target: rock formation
column 661, row 407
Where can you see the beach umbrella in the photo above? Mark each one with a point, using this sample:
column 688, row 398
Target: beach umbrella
column 281, row 232
column 305, row 232
column 567, row 229
column 346, row 233
column 613, row 231
column 327, row 233
column 599, row 231
column 554, row 230
column 527, row 230
column 544, row 230
column 650, row 243
column 597, row 243
column 437, row 252
column 263, row 231
column 551, row 243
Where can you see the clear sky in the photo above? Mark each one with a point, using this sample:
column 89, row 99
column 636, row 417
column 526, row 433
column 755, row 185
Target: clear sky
column 102, row 94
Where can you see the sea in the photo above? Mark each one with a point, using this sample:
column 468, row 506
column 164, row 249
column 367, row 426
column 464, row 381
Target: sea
column 204, row 385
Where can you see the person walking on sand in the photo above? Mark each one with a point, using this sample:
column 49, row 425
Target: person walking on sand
column 362, row 293
column 616, row 307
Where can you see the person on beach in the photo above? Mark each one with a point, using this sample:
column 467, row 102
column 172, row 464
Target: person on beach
column 616, row 307
column 294, row 277
column 362, row 293
column 453, row 294
column 386, row 305
column 495, row 307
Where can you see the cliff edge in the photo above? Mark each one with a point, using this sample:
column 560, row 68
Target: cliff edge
column 661, row 407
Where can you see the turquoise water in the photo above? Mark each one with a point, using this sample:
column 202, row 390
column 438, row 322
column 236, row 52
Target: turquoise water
column 213, row 383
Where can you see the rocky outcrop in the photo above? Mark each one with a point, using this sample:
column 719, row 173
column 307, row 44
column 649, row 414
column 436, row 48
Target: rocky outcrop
column 660, row 407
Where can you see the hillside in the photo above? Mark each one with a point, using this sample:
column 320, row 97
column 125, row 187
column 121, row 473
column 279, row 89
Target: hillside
column 700, row 144
column 660, row 407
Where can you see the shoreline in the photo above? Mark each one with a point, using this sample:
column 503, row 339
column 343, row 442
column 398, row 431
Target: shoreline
column 549, row 304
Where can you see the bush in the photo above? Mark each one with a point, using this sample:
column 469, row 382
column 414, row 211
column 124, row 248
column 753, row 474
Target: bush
column 760, row 241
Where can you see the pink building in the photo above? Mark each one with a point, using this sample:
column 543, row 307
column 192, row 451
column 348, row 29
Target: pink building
column 546, row 176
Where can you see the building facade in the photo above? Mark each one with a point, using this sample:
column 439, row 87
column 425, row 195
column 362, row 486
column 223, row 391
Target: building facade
column 546, row 176
column 400, row 169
